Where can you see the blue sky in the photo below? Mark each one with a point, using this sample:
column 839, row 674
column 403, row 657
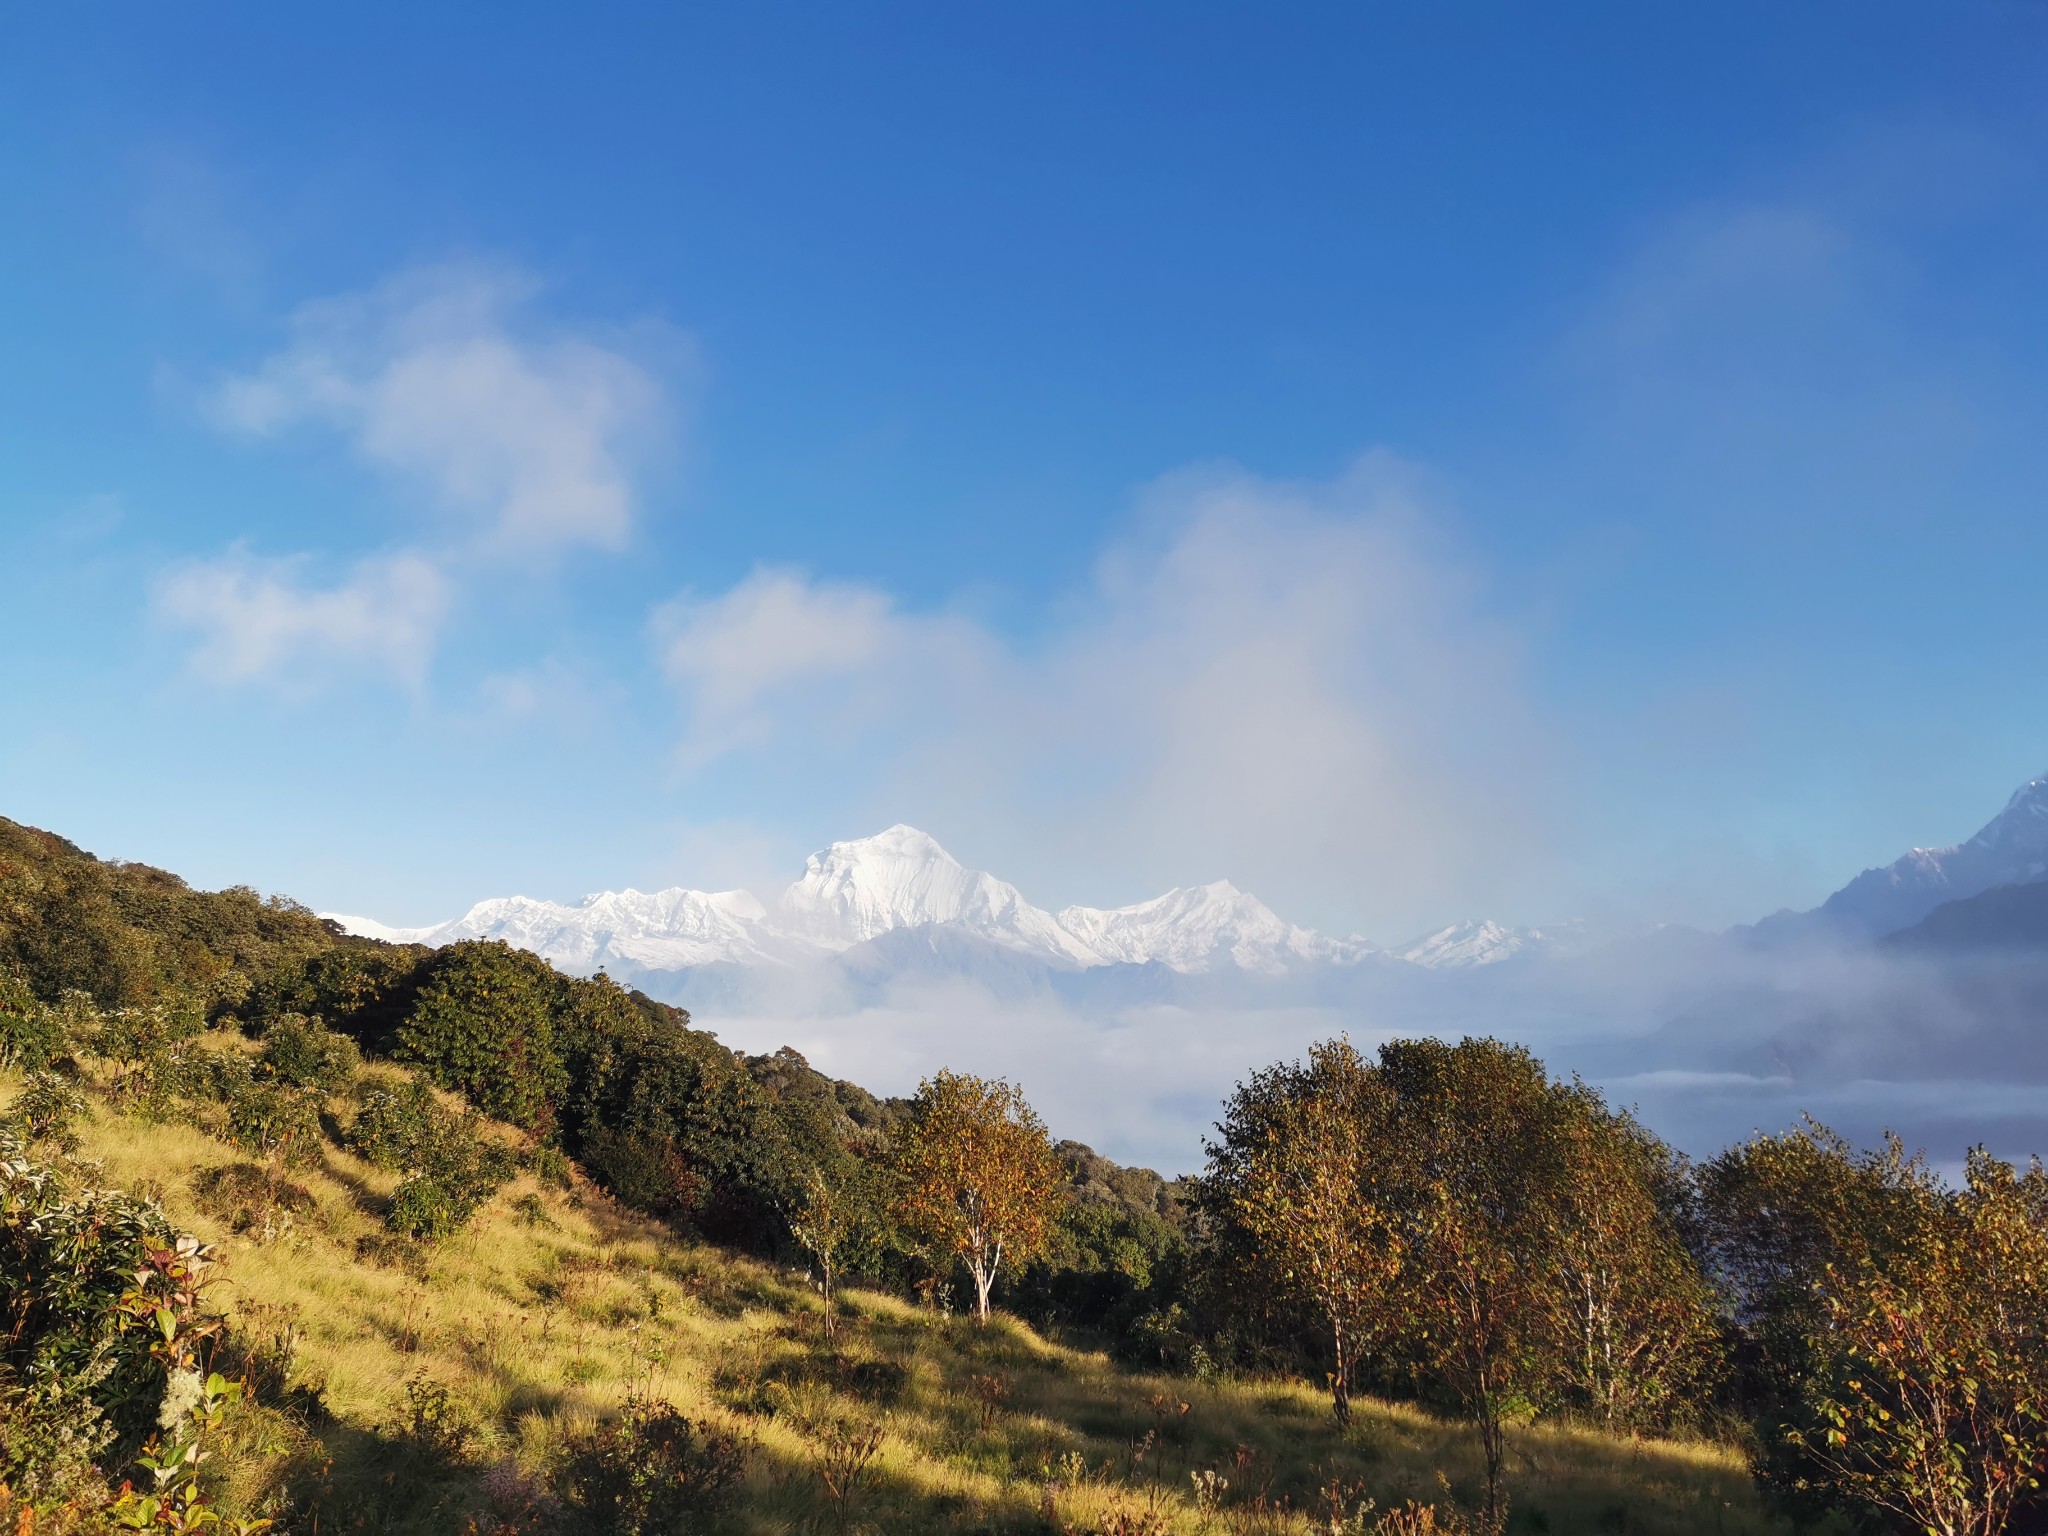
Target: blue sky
column 1415, row 461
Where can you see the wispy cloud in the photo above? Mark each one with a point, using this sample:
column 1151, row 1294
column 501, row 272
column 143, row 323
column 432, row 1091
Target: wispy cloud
column 524, row 439
column 1294, row 685
column 259, row 619
column 526, row 435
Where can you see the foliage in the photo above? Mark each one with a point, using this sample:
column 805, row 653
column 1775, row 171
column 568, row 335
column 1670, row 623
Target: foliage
column 127, row 934
column 1302, row 1168
column 174, row 1502
column 451, row 1166
column 835, row 1218
column 977, row 1177
column 1928, row 1396
column 47, row 1109
column 276, row 1120
column 649, row 1471
column 1450, row 1207
column 665, row 1118
column 303, row 1053
column 483, row 1024
column 150, row 1045
column 31, row 1034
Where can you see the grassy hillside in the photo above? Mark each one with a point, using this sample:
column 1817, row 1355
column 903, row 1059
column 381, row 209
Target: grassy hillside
column 554, row 1305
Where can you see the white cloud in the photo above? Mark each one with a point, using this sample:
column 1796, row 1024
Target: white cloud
column 528, row 437
column 1295, row 686
column 260, row 619
column 780, row 652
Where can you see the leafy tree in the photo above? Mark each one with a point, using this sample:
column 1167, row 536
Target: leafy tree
column 1930, row 1398
column 484, row 1026
column 1634, row 1315
column 1778, row 1216
column 833, row 1218
column 303, row 1053
column 30, row 1034
column 977, row 1175
column 1301, row 1169
column 1479, row 1130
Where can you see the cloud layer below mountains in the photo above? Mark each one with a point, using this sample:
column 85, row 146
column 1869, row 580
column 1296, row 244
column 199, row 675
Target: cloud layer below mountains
column 1709, row 1039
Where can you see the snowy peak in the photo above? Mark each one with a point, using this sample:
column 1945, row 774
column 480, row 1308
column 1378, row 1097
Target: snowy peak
column 901, row 881
column 901, row 878
column 2010, row 849
column 1195, row 928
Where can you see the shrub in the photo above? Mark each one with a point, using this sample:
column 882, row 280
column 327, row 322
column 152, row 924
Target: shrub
column 151, row 1049
column 399, row 1127
column 31, row 1035
column 649, row 1471
column 99, row 1297
column 304, row 1053
column 46, row 1109
column 452, row 1168
column 483, row 1025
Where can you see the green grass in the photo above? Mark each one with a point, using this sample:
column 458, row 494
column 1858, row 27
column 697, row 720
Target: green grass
column 555, row 1305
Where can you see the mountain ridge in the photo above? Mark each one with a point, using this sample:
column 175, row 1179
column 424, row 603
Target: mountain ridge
column 854, row 892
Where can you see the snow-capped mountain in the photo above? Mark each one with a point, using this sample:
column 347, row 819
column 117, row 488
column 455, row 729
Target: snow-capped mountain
column 2011, row 849
column 1464, row 945
column 853, row 893
column 902, row 878
column 1194, row 930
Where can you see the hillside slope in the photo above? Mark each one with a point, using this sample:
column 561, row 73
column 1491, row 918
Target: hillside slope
column 556, row 1305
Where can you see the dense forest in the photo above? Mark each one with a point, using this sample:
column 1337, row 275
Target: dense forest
column 1445, row 1228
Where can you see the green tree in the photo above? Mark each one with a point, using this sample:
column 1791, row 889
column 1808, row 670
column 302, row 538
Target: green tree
column 1638, row 1337
column 483, row 1025
column 977, row 1177
column 1301, row 1168
column 1929, row 1401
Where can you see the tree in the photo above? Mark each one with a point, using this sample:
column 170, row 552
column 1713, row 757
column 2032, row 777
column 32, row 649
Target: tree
column 977, row 1175
column 483, row 1025
column 1479, row 1137
column 1301, row 1168
column 1780, row 1216
column 1636, row 1330
column 1929, row 1394
column 832, row 1219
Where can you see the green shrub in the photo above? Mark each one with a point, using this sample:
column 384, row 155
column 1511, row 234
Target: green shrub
column 151, row 1047
column 398, row 1127
column 304, row 1053
column 269, row 1117
column 452, row 1167
column 648, row 1472
column 47, row 1107
column 97, row 1294
column 483, row 1025
column 31, row 1035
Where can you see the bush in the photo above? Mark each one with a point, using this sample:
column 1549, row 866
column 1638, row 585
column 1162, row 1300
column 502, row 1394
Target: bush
column 99, row 1291
column 483, row 1025
column 31, row 1035
column 304, row 1053
column 452, row 1168
column 151, row 1048
column 648, row 1472
column 46, row 1109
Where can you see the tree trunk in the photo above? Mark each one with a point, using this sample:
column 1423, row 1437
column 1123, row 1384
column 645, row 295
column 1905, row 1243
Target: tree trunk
column 984, row 1280
column 1491, row 1441
column 1340, row 1379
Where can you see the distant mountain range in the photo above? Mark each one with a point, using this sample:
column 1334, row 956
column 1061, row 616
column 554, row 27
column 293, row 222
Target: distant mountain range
column 2009, row 850
column 874, row 910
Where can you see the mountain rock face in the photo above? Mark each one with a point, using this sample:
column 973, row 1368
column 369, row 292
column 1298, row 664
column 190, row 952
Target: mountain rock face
column 2011, row 849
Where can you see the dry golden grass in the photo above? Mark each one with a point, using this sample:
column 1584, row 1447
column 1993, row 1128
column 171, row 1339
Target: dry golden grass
column 555, row 1305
